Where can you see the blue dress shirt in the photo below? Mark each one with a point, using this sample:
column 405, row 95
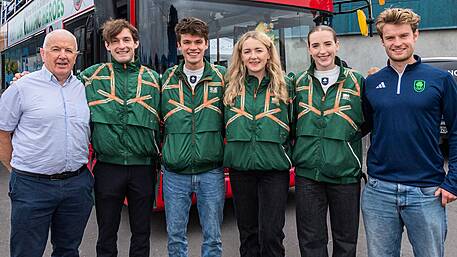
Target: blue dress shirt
column 49, row 121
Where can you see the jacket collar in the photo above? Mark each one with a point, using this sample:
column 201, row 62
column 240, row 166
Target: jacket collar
column 253, row 79
column 408, row 66
column 207, row 71
column 338, row 62
column 131, row 66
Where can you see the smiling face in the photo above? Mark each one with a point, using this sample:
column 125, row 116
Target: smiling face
column 193, row 50
column 59, row 54
column 323, row 49
column 122, row 46
column 255, row 56
column 398, row 41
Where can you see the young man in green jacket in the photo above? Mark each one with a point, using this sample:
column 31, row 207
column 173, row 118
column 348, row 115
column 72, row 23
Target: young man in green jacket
column 192, row 111
column 123, row 98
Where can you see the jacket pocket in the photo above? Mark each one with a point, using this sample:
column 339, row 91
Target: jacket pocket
column 209, row 147
column 334, row 158
column 177, row 151
column 341, row 158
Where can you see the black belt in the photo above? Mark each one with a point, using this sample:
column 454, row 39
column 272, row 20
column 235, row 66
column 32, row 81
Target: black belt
column 59, row 176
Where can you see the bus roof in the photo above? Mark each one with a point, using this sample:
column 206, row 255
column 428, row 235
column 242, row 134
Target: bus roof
column 321, row 5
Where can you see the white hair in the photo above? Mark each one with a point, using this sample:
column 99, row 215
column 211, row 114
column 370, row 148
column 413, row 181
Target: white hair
column 56, row 32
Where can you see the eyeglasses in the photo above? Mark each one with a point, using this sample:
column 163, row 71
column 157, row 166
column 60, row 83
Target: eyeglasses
column 57, row 50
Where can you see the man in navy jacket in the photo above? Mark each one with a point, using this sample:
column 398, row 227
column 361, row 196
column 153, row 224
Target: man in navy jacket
column 403, row 106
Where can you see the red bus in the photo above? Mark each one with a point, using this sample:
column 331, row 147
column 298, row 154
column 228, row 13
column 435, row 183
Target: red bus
column 24, row 23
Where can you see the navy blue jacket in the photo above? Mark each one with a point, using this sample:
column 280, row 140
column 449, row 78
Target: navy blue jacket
column 404, row 113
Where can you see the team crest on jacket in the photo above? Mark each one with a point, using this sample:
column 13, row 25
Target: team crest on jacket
column 213, row 90
column 419, row 85
column 346, row 97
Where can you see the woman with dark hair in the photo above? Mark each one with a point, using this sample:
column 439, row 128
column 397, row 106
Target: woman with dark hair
column 257, row 107
column 328, row 149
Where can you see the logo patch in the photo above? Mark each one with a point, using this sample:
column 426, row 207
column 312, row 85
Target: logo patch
column 419, row 85
column 324, row 81
column 381, row 85
column 346, row 97
column 213, row 90
column 193, row 79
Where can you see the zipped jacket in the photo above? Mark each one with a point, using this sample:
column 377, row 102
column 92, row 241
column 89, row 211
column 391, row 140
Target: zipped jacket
column 257, row 129
column 193, row 120
column 404, row 111
column 124, row 103
column 328, row 146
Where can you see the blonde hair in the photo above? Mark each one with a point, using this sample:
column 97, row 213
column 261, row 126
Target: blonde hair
column 237, row 72
column 397, row 16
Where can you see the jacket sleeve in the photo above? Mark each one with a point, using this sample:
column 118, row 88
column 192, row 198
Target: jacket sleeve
column 449, row 107
column 367, row 124
column 84, row 75
column 291, row 90
column 223, row 71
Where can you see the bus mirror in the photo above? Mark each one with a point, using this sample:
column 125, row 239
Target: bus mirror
column 362, row 23
column 382, row 2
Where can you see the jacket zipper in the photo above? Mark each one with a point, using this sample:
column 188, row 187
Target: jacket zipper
column 399, row 83
column 183, row 79
column 126, row 92
column 399, row 78
column 256, row 89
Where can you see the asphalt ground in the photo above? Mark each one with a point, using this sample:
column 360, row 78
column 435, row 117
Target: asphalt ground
column 229, row 231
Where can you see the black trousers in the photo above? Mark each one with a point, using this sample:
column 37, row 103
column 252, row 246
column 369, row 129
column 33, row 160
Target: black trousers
column 260, row 200
column 312, row 199
column 112, row 184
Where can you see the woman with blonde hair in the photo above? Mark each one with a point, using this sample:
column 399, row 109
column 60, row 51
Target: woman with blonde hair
column 257, row 120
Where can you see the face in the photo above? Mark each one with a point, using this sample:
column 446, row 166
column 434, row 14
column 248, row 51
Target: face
column 399, row 41
column 59, row 55
column 323, row 49
column 122, row 47
column 193, row 49
column 255, row 56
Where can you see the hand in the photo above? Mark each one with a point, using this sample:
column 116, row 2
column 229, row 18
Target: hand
column 373, row 70
column 446, row 197
column 20, row 75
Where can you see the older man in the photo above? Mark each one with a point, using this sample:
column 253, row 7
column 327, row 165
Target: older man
column 50, row 187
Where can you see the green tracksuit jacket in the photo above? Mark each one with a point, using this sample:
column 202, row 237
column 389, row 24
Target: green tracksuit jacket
column 257, row 129
column 124, row 103
column 193, row 120
column 328, row 146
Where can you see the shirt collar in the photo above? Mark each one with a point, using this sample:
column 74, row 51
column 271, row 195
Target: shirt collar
column 50, row 77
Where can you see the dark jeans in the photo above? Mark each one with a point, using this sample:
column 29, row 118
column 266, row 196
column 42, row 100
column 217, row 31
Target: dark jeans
column 39, row 205
column 112, row 184
column 312, row 199
column 260, row 199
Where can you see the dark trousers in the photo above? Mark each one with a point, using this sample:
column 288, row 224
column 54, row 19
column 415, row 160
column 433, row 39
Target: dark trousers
column 112, row 184
column 312, row 199
column 40, row 205
column 260, row 200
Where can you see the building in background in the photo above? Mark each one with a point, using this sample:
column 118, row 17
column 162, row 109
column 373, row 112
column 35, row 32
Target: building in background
column 438, row 33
